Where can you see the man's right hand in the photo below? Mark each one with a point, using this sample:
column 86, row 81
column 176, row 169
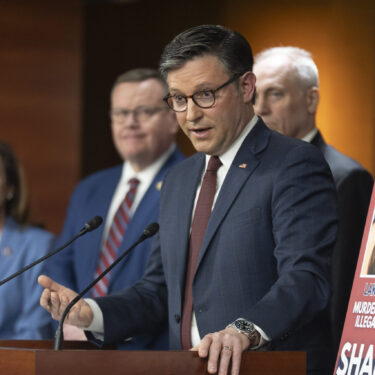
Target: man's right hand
column 56, row 297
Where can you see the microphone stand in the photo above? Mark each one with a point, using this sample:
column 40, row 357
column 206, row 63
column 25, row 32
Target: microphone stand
column 59, row 336
column 85, row 229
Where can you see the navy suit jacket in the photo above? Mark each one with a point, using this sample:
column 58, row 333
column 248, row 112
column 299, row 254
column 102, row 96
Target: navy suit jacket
column 354, row 186
column 75, row 266
column 265, row 255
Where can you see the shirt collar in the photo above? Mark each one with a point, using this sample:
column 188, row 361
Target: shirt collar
column 228, row 156
column 310, row 135
column 147, row 174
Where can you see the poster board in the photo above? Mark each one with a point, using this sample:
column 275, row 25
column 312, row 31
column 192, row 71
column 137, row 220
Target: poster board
column 356, row 354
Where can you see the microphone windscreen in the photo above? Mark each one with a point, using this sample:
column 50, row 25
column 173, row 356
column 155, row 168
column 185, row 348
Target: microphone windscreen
column 94, row 223
column 150, row 230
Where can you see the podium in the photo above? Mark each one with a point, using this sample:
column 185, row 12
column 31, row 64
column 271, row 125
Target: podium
column 39, row 358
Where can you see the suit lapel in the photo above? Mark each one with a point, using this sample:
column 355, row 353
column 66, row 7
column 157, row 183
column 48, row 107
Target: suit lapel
column 318, row 140
column 146, row 211
column 149, row 204
column 245, row 162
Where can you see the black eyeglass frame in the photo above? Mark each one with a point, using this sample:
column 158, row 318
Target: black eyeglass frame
column 213, row 91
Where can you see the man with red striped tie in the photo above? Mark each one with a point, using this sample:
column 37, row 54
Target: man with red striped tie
column 126, row 196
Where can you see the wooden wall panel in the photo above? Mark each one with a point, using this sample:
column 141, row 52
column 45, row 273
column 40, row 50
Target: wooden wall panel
column 40, row 98
column 340, row 34
column 122, row 36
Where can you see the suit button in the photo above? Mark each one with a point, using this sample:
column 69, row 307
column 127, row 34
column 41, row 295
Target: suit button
column 177, row 318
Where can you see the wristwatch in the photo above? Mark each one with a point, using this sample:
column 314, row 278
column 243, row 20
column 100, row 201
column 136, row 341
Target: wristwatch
column 246, row 328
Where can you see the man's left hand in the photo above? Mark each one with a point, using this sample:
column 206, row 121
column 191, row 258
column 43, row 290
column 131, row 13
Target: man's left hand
column 223, row 346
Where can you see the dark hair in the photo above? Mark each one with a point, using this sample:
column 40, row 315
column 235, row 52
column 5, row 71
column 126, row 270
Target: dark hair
column 230, row 47
column 17, row 204
column 139, row 75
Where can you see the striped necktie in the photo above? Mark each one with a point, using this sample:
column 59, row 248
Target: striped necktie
column 198, row 228
column 115, row 235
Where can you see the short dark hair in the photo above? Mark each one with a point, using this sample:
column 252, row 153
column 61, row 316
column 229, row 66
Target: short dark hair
column 230, row 47
column 17, row 204
column 139, row 75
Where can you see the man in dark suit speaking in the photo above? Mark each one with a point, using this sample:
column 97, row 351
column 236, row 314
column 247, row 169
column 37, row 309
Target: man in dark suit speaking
column 287, row 99
column 253, row 273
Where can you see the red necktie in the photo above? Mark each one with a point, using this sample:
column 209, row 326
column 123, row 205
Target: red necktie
column 114, row 239
column 198, row 228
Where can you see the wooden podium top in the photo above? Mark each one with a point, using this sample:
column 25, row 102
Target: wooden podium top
column 38, row 358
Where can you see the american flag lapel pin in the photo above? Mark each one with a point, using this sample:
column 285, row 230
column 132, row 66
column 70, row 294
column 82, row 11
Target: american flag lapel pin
column 243, row 165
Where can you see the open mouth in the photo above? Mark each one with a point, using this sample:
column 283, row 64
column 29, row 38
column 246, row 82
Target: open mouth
column 200, row 131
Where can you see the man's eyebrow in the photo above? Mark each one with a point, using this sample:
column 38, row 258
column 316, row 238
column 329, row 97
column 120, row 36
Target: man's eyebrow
column 174, row 91
column 200, row 87
column 273, row 88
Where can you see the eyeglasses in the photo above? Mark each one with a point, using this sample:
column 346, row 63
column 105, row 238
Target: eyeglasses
column 140, row 114
column 203, row 98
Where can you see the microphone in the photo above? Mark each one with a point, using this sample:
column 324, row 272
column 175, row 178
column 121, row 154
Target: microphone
column 151, row 229
column 89, row 226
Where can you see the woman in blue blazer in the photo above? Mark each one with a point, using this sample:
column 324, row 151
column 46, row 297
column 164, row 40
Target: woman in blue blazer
column 21, row 317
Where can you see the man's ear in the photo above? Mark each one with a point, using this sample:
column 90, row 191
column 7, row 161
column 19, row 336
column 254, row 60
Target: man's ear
column 247, row 86
column 312, row 99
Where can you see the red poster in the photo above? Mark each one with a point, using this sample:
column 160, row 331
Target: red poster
column 356, row 354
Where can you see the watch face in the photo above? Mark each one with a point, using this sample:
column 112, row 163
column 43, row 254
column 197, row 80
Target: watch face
column 244, row 325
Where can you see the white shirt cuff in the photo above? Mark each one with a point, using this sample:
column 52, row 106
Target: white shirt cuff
column 97, row 324
column 264, row 338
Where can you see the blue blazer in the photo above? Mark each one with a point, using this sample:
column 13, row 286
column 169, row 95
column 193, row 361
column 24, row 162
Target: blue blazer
column 21, row 317
column 75, row 266
column 265, row 255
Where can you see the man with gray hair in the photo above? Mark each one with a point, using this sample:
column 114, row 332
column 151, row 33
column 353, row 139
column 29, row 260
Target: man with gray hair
column 287, row 98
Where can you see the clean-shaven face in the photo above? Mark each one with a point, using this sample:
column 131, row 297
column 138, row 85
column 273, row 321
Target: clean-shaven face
column 212, row 130
column 142, row 141
column 281, row 100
